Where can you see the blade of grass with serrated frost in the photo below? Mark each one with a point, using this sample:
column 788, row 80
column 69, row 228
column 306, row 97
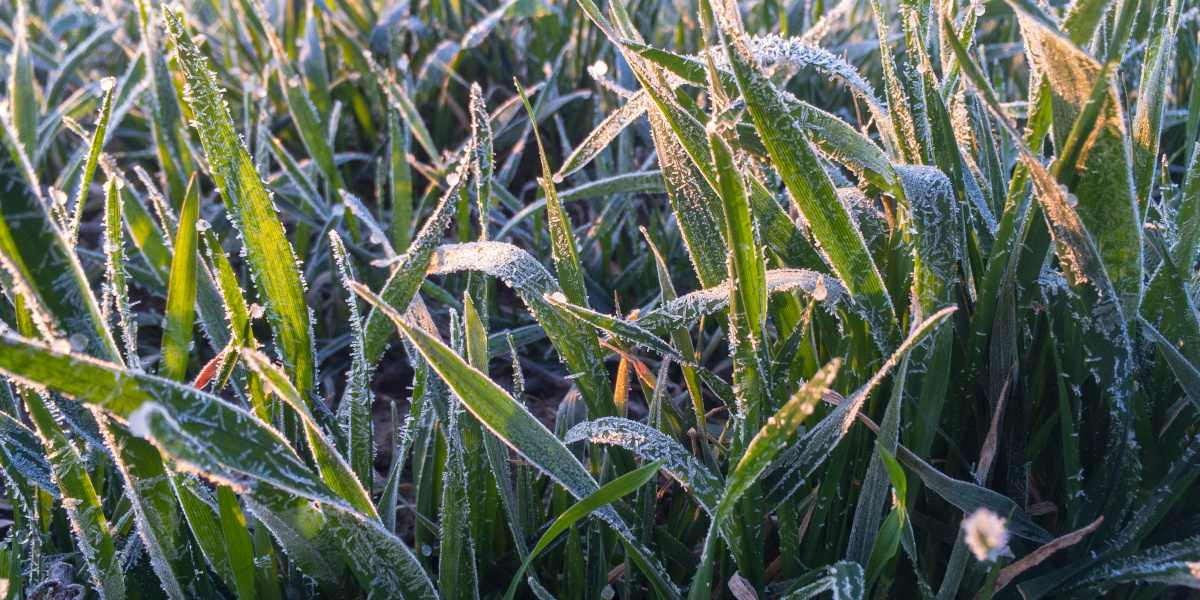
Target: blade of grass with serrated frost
column 409, row 269
column 565, row 248
column 93, row 156
column 779, row 431
column 513, row 423
column 692, row 199
column 181, row 295
column 117, row 289
column 604, row 134
column 457, row 577
column 654, row 445
column 572, row 338
column 685, row 309
column 354, row 412
column 748, row 287
column 57, row 292
column 608, row 493
column 268, row 252
column 811, row 188
column 83, row 507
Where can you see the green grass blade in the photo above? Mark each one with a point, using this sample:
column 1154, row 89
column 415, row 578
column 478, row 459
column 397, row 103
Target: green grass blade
column 93, row 156
column 269, row 254
column 117, row 289
column 354, row 413
column 181, row 297
column 237, row 542
column 22, row 88
column 566, row 250
column 241, row 443
column 1152, row 97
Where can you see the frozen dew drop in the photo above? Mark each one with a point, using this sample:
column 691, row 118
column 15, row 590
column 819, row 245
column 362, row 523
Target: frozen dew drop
column 107, row 83
column 120, row 183
column 452, row 179
column 820, row 292
column 402, row 63
column 426, row 550
column 600, row 68
column 1072, row 200
column 79, row 342
column 338, row 210
column 59, row 196
column 979, row 9
column 607, row 593
column 557, row 179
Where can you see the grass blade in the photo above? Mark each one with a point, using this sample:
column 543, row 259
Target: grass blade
column 269, row 254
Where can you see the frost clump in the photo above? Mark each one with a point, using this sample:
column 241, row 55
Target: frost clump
column 985, row 534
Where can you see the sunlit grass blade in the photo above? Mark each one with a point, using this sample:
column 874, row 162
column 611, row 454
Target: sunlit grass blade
column 269, row 254
column 181, row 296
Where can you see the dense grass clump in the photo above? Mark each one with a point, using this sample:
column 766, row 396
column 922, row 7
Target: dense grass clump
column 585, row 299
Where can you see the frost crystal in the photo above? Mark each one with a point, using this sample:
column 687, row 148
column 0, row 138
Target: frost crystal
column 985, row 534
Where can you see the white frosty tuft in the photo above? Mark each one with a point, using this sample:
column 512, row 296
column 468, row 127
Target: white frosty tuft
column 985, row 534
